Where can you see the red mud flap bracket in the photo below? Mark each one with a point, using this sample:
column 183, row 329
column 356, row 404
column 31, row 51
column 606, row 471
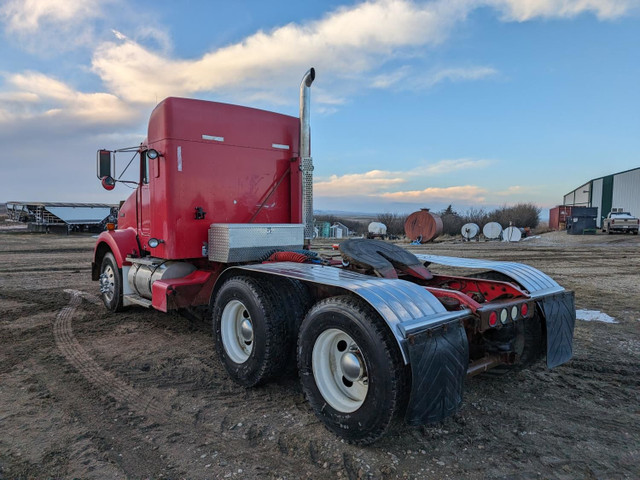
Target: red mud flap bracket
column 179, row 292
column 560, row 315
column 439, row 362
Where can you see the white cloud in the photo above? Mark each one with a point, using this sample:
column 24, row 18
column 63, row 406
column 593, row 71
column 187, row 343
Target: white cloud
column 38, row 95
column 29, row 15
column 405, row 79
column 448, row 166
column 388, row 79
column 344, row 45
column 461, row 193
column 382, row 182
column 456, row 75
column 367, row 183
column 523, row 10
column 52, row 27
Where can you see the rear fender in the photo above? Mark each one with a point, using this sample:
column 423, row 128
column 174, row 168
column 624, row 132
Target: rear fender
column 432, row 340
column 556, row 303
column 119, row 242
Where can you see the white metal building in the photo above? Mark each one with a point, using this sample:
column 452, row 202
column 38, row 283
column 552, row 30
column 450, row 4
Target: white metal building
column 339, row 230
column 620, row 190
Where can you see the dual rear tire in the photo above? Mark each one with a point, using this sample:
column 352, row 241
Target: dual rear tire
column 250, row 329
column 351, row 370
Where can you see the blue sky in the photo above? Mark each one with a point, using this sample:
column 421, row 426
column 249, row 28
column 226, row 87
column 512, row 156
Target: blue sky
column 472, row 103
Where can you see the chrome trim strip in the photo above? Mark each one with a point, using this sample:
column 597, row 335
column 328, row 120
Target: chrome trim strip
column 213, row 137
column 281, row 146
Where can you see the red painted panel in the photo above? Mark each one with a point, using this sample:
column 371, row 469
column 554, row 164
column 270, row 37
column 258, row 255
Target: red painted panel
column 228, row 174
column 121, row 242
column 179, row 292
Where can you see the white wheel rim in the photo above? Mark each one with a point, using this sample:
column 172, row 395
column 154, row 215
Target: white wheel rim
column 107, row 283
column 332, row 350
column 236, row 342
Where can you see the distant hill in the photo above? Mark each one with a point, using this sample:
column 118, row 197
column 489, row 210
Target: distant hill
column 343, row 213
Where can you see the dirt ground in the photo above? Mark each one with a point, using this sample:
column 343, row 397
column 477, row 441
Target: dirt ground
column 89, row 394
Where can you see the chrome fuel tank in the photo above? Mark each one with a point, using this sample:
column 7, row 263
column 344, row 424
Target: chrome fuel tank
column 141, row 276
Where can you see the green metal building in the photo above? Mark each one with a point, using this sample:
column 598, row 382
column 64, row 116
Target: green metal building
column 618, row 190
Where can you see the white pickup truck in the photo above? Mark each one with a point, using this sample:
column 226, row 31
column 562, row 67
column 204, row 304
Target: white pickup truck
column 619, row 221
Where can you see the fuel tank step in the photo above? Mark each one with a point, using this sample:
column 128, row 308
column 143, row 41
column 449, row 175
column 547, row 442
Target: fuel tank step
column 133, row 299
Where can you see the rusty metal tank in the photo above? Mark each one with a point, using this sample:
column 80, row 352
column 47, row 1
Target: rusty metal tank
column 423, row 226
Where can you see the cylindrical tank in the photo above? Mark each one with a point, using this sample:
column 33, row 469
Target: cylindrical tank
column 492, row 230
column 141, row 277
column 423, row 226
column 469, row 230
column 511, row 234
column 377, row 228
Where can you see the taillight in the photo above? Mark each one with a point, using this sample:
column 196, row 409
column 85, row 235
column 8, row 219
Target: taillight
column 524, row 309
column 514, row 312
column 493, row 319
column 504, row 315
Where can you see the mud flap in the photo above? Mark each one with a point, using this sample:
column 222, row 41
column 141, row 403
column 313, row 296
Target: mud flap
column 560, row 314
column 439, row 362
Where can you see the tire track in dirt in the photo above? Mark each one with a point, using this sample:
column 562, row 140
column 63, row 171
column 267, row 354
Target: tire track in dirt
column 87, row 366
column 160, row 416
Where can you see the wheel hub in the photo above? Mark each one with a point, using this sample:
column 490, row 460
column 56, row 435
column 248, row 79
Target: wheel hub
column 340, row 370
column 236, row 330
column 104, row 283
column 246, row 330
column 351, row 366
column 107, row 286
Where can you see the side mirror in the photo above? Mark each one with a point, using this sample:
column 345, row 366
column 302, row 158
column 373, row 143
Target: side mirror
column 106, row 164
column 108, row 182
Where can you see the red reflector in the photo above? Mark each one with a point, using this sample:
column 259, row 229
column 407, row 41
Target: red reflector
column 493, row 319
column 524, row 309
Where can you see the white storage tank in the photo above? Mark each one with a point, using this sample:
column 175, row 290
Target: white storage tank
column 377, row 228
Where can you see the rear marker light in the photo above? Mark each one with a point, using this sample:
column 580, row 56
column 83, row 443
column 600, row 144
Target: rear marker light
column 504, row 315
column 493, row 319
column 524, row 309
column 514, row 312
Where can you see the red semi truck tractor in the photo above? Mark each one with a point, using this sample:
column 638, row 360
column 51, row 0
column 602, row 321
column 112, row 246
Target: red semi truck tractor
column 220, row 225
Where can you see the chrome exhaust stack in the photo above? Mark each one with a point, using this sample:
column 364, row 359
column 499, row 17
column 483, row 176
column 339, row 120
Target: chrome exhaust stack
column 306, row 162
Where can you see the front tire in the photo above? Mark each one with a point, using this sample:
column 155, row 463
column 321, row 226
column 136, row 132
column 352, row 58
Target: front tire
column 111, row 283
column 351, row 369
column 252, row 338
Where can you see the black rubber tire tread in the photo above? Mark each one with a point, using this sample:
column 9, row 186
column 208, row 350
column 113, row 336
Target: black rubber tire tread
column 374, row 418
column 272, row 338
column 296, row 300
column 115, row 305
